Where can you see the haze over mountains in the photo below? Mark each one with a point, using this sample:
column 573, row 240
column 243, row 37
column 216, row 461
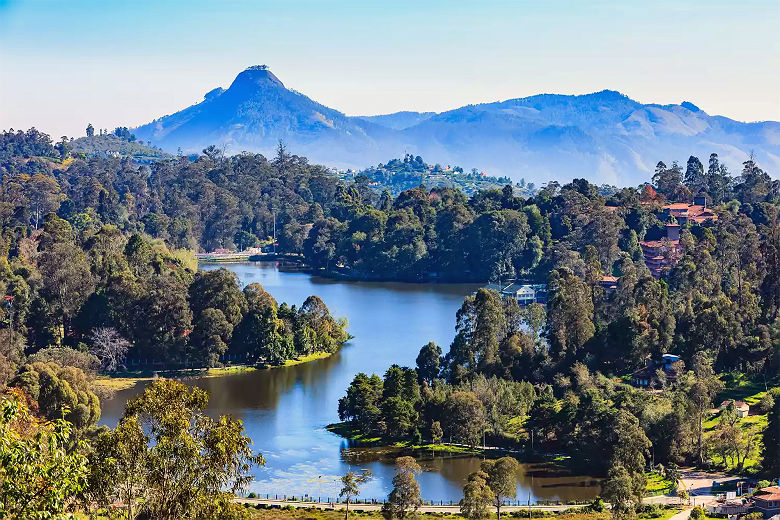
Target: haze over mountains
column 605, row 136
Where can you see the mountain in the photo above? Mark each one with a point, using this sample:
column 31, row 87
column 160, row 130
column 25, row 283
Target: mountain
column 605, row 136
column 399, row 120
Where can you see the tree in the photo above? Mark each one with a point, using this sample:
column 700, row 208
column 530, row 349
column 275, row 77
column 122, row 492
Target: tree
column 771, row 449
column 702, row 385
column 667, row 180
column 117, row 466
column 109, row 347
column 351, row 482
column 626, row 482
column 436, row 432
column 61, row 393
column 39, row 475
column 694, row 175
column 502, row 480
column 569, row 315
column 404, row 500
column 90, row 130
column 466, row 417
column 477, row 497
column 428, row 362
column 192, row 464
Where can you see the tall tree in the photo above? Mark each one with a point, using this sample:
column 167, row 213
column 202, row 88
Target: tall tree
column 502, row 480
column 477, row 497
column 192, row 463
column 404, row 499
column 350, row 486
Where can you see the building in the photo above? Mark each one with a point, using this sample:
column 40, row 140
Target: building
column 661, row 255
column 686, row 213
column 767, row 501
column 647, row 376
column 741, row 407
column 729, row 508
column 525, row 294
column 609, row 284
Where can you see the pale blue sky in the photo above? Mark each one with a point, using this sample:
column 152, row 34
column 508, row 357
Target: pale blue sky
column 66, row 63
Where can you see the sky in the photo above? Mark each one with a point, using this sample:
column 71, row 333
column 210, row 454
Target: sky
column 64, row 64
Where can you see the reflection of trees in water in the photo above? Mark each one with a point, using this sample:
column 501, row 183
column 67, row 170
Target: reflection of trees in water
column 262, row 389
column 547, row 481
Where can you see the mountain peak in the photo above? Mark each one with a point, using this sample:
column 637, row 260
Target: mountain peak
column 257, row 76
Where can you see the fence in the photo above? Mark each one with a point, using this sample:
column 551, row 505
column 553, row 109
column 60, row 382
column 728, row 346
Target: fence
column 374, row 501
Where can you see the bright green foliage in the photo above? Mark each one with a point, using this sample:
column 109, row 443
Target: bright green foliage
column 39, row 475
column 178, row 463
column 61, row 393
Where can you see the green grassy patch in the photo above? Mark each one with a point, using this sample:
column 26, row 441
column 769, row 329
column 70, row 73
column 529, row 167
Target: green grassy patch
column 657, row 484
column 305, row 359
column 351, row 432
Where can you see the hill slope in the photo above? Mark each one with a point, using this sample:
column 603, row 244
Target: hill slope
column 605, row 136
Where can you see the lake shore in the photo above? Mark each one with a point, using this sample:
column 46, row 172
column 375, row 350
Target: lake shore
column 127, row 380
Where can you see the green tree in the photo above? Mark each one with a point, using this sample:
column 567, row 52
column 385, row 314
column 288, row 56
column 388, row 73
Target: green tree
column 626, row 482
column 771, row 446
column 465, row 418
column 569, row 314
column 39, row 475
column 90, row 130
column 350, row 486
column 477, row 497
column 61, row 393
column 192, row 464
column 502, row 480
column 428, row 362
column 404, row 500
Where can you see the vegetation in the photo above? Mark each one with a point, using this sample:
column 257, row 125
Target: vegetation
column 399, row 175
column 96, row 266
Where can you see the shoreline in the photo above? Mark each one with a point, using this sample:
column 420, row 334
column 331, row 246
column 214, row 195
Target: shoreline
column 127, row 380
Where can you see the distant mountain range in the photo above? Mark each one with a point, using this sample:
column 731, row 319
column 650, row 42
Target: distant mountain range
column 605, row 136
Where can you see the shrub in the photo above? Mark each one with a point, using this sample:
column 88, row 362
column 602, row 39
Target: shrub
column 697, row 513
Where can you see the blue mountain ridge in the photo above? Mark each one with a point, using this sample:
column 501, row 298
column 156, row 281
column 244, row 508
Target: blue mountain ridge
column 604, row 136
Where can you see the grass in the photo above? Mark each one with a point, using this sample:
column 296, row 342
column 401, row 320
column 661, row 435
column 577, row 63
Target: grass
column 740, row 387
column 118, row 383
column 305, row 359
column 657, row 484
column 125, row 380
column 290, row 513
column 353, row 433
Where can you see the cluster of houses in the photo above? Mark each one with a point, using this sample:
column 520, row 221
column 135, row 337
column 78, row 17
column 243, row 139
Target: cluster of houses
column 765, row 501
column 660, row 255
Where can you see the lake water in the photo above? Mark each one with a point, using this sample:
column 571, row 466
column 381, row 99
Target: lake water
column 285, row 410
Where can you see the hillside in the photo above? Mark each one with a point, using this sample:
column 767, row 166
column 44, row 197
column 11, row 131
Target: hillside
column 110, row 145
column 605, row 136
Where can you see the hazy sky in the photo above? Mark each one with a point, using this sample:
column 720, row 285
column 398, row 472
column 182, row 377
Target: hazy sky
column 66, row 63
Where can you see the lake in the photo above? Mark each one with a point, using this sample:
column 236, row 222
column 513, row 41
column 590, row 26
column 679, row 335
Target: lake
column 285, row 410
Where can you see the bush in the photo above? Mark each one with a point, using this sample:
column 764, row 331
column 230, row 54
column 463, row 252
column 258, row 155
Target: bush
column 252, row 495
column 697, row 513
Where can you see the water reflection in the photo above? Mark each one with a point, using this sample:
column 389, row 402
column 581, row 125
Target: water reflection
column 285, row 410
